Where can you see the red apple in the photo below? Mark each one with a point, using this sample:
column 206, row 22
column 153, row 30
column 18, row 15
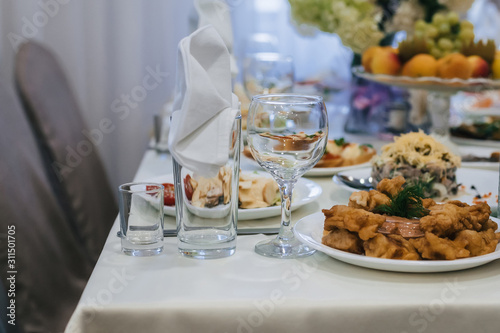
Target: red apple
column 480, row 67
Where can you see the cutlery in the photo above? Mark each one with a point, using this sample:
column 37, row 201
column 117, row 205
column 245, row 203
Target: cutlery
column 244, row 231
column 358, row 183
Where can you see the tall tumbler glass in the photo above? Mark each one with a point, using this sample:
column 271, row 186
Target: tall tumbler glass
column 207, row 208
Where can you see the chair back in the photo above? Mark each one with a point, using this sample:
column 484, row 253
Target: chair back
column 51, row 268
column 69, row 148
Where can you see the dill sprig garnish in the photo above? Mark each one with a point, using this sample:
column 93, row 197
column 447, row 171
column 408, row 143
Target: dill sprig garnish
column 407, row 203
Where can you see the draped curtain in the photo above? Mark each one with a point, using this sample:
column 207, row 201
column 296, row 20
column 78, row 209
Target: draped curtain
column 119, row 56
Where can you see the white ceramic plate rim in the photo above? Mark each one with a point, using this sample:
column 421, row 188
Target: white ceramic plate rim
column 305, row 191
column 309, row 230
column 331, row 171
column 318, row 172
column 475, row 142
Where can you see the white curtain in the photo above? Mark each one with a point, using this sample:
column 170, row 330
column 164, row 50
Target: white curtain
column 119, row 56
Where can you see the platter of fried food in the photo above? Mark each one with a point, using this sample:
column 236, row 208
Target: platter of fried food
column 258, row 195
column 393, row 228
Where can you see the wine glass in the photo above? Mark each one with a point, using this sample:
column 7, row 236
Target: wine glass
column 266, row 73
column 287, row 135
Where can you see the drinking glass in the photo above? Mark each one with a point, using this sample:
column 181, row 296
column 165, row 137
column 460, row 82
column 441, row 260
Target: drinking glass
column 287, row 135
column 141, row 218
column 267, row 72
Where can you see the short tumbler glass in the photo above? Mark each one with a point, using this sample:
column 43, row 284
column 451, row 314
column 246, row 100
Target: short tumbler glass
column 141, row 218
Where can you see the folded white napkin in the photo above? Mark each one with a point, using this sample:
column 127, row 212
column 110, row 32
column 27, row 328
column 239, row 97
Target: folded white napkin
column 218, row 14
column 204, row 105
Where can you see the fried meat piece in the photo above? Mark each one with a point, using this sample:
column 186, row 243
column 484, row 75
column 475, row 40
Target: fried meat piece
column 368, row 200
column 428, row 202
column 344, row 240
column 364, row 223
column 490, row 224
column 390, row 247
column 433, row 247
column 479, row 215
column 391, row 187
column 477, row 243
column 445, row 220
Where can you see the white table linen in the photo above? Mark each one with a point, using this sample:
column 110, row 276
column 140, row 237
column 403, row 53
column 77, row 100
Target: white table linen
column 250, row 293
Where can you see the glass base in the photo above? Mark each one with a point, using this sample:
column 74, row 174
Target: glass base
column 143, row 252
column 283, row 249
column 208, row 254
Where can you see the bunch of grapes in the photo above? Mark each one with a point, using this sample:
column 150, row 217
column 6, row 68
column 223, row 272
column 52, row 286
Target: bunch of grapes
column 446, row 34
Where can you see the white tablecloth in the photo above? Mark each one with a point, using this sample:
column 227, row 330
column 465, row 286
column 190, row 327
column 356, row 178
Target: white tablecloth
column 250, row 293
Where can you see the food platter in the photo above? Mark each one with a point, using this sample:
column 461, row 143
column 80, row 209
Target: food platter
column 309, row 230
column 429, row 83
column 305, row 191
column 485, row 181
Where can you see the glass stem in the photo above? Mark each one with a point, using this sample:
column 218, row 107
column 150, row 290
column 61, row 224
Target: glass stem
column 438, row 105
column 286, row 189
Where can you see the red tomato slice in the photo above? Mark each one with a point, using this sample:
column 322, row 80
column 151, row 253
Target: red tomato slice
column 168, row 194
column 188, row 188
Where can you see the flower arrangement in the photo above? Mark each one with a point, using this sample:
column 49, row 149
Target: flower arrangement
column 364, row 23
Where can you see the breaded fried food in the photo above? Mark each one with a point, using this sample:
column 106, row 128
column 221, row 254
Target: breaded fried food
column 368, row 200
column 490, row 224
column 391, row 187
column 390, row 247
column 445, row 220
column 454, row 216
column 344, row 240
column 436, row 248
column 479, row 215
column 364, row 223
column 428, row 202
column 477, row 243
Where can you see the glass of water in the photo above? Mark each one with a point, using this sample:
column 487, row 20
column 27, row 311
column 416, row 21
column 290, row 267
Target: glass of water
column 287, row 135
column 267, row 72
column 141, row 218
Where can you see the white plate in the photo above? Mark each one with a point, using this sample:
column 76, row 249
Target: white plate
column 485, row 181
column 480, row 152
column 475, row 142
column 314, row 172
column 469, row 101
column 309, row 230
column 305, row 191
column 331, row 171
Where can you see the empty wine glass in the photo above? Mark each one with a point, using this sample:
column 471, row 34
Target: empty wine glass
column 287, row 135
column 266, row 73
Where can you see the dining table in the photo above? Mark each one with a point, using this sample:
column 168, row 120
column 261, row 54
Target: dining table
column 247, row 292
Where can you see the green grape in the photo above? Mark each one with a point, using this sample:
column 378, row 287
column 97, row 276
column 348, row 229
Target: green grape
column 453, row 18
column 445, row 53
column 432, row 31
column 435, row 52
column 420, row 25
column 444, row 29
column 458, row 45
column 438, row 19
column 466, row 25
column 466, row 35
column 445, row 44
column 430, row 43
column 418, row 34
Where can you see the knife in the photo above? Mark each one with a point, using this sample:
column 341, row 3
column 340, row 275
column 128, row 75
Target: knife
column 241, row 232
